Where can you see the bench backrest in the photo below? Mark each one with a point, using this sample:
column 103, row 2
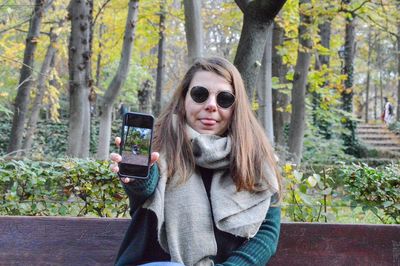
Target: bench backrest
column 95, row 241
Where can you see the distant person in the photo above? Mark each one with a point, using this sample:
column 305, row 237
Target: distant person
column 135, row 149
column 213, row 192
column 388, row 113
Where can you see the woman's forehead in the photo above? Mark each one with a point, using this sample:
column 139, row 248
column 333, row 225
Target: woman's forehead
column 211, row 81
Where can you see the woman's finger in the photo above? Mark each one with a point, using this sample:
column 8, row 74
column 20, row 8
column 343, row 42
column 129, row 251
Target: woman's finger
column 154, row 157
column 115, row 157
column 126, row 180
column 114, row 168
column 117, row 141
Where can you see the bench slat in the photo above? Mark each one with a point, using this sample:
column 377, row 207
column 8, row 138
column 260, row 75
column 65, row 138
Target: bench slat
column 95, row 241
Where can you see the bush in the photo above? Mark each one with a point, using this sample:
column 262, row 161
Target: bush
column 309, row 194
column 395, row 127
column 51, row 138
column 374, row 189
column 64, row 187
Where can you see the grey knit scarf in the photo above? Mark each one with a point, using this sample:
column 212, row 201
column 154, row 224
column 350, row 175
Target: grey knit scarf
column 184, row 214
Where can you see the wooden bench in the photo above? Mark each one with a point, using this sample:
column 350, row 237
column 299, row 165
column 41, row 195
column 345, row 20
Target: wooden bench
column 95, row 241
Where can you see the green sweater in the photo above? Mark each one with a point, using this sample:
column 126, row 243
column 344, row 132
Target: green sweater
column 255, row 251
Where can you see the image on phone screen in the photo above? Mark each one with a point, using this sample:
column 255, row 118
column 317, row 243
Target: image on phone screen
column 136, row 145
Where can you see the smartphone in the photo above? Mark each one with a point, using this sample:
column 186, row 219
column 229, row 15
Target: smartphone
column 135, row 148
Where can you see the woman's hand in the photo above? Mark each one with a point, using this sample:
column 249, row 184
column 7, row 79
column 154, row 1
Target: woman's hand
column 116, row 158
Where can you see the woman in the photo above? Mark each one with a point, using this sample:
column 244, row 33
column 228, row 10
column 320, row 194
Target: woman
column 388, row 112
column 209, row 199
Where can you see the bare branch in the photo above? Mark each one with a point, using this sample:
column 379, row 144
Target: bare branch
column 15, row 26
column 21, row 63
column 362, row 4
column 103, row 6
column 41, row 32
column 27, row 20
column 379, row 25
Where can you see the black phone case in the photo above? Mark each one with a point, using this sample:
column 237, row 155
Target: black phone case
column 124, row 123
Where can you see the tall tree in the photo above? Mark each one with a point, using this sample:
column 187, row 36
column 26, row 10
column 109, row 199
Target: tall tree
column 347, row 93
column 47, row 65
column 323, row 59
column 161, row 59
column 193, row 29
column 79, row 58
column 297, row 121
column 368, row 77
column 257, row 16
column 24, row 86
column 264, row 85
column 117, row 82
column 398, row 64
column 144, row 97
column 99, row 55
column 280, row 99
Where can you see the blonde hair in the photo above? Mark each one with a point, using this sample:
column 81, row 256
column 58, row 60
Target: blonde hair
column 250, row 146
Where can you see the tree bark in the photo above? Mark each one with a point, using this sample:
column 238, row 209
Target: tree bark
column 193, row 29
column 24, row 86
column 368, row 78
column 47, row 65
column 265, row 88
column 144, row 97
column 398, row 69
column 117, row 82
column 280, row 100
column 376, row 102
column 79, row 55
column 347, row 94
column 99, row 55
column 160, row 61
column 297, row 121
column 257, row 16
column 323, row 126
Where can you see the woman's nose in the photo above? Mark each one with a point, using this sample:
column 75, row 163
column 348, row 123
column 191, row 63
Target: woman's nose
column 211, row 103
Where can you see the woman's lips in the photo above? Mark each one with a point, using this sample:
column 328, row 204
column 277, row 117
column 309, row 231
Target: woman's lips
column 208, row 122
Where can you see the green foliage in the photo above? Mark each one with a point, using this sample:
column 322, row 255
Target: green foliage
column 308, row 195
column 51, row 138
column 375, row 189
column 64, row 187
column 319, row 150
column 395, row 127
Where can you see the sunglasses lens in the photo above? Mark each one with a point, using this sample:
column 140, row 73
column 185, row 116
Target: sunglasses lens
column 199, row 94
column 225, row 99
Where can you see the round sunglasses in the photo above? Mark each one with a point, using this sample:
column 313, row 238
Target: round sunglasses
column 200, row 94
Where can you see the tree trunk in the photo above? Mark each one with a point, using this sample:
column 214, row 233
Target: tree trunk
column 280, row 100
column 265, row 88
column 297, row 121
column 323, row 126
column 116, row 84
column 325, row 33
column 347, row 94
column 99, row 55
column 79, row 54
column 398, row 69
column 257, row 16
column 193, row 29
column 47, row 65
column 368, row 77
column 376, row 102
column 144, row 97
column 160, row 61
column 24, row 86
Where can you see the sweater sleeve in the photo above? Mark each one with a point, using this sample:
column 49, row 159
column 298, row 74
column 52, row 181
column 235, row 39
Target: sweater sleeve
column 259, row 249
column 139, row 190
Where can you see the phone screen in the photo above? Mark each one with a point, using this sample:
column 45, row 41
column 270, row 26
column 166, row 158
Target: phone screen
column 136, row 137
